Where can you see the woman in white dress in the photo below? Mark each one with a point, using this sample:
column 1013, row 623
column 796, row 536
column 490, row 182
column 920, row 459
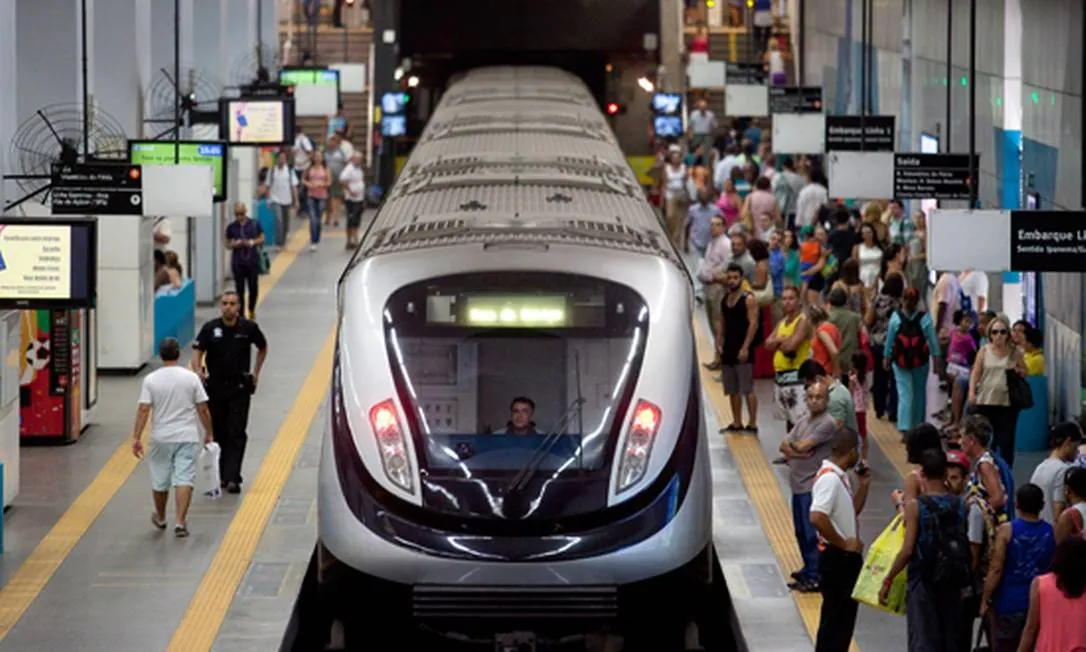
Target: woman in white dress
column 868, row 253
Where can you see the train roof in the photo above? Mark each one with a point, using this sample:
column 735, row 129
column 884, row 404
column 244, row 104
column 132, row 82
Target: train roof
column 519, row 154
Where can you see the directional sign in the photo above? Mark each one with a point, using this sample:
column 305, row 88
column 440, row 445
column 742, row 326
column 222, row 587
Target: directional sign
column 744, row 73
column 1048, row 241
column 852, row 133
column 97, row 189
column 932, row 176
column 795, row 99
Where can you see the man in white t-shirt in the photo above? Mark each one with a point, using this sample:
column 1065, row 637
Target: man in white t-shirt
column 975, row 286
column 835, row 510
column 173, row 398
column 353, row 180
column 281, row 186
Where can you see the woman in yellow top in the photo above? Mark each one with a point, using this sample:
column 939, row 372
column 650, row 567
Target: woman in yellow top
column 1032, row 353
column 790, row 344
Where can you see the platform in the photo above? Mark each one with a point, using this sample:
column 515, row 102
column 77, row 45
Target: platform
column 84, row 569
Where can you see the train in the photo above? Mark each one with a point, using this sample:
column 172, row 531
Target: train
column 515, row 454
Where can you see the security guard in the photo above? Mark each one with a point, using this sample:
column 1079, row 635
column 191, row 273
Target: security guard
column 224, row 345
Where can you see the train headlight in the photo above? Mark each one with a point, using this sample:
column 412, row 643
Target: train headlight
column 391, row 444
column 637, row 445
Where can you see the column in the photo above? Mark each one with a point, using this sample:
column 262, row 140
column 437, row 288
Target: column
column 671, row 43
column 51, row 47
column 9, row 106
column 1011, row 165
column 386, row 35
column 119, row 71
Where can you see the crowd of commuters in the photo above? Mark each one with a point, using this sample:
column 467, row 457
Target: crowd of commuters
column 836, row 303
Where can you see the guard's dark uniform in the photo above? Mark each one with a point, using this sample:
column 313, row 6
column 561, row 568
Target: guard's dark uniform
column 228, row 357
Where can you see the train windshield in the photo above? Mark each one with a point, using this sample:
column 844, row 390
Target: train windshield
column 511, row 384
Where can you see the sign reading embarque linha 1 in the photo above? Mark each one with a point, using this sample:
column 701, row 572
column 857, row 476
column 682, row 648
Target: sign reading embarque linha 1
column 1048, row 241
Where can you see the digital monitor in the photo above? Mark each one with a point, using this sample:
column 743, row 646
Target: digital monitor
column 393, row 125
column 668, row 126
column 667, row 103
column 309, row 77
column 48, row 263
column 316, row 90
column 161, row 152
column 257, row 121
column 393, row 103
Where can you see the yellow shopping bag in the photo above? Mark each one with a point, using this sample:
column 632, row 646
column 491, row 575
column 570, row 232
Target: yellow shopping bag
column 880, row 557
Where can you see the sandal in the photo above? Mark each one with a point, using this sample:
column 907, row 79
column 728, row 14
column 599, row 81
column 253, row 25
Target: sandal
column 751, row 428
column 159, row 523
column 180, row 531
column 735, row 427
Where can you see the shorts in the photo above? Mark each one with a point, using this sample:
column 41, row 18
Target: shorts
column 354, row 213
column 816, row 282
column 738, row 379
column 789, row 397
column 963, row 383
column 957, row 370
column 173, row 464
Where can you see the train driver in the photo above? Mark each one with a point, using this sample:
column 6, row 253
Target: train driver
column 522, row 409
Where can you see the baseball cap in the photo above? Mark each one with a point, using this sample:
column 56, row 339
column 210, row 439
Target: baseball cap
column 959, row 459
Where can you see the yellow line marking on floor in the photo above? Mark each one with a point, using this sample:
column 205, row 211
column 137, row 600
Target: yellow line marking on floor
column 773, row 507
column 205, row 614
column 34, row 574
column 888, row 438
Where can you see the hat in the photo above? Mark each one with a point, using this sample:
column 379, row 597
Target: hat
column 807, row 231
column 959, row 459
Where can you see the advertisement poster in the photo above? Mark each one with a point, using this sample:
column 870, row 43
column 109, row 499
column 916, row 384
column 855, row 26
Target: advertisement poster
column 47, row 371
column 35, row 261
column 256, row 121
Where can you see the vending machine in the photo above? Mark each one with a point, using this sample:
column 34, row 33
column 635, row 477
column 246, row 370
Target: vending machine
column 55, row 397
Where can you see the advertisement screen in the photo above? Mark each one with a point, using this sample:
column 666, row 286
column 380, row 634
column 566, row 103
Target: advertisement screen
column 47, row 263
column 158, row 152
column 667, row 103
column 393, row 125
column 257, row 121
column 309, row 77
column 668, row 126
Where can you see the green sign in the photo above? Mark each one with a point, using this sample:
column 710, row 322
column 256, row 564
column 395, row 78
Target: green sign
column 162, row 153
column 308, row 77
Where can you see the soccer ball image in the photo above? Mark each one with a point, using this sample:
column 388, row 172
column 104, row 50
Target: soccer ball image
column 37, row 358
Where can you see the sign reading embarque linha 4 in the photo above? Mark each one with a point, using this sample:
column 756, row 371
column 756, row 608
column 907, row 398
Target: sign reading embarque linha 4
column 1048, row 241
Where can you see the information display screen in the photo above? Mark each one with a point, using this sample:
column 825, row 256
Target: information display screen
column 161, row 152
column 48, row 263
column 309, row 77
column 668, row 126
column 393, row 125
column 257, row 121
column 667, row 103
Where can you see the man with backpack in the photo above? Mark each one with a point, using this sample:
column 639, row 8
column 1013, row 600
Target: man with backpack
column 911, row 342
column 937, row 554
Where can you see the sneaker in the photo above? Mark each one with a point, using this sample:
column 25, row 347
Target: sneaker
column 180, row 531
column 805, row 586
column 233, row 488
column 160, row 523
column 312, row 247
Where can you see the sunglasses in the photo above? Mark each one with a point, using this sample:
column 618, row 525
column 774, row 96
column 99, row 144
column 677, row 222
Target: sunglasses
column 999, row 331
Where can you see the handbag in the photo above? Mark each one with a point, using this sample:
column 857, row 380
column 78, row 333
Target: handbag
column 765, row 296
column 880, row 557
column 1021, row 396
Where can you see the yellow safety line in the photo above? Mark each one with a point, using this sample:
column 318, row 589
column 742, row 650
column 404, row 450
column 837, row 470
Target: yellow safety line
column 774, row 510
column 205, row 614
column 34, row 574
column 888, row 439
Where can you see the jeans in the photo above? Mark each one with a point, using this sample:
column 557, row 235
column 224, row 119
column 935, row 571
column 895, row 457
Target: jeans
column 839, row 570
column 282, row 222
column 316, row 209
column 246, row 277
column 912, row 396
column 806, row 535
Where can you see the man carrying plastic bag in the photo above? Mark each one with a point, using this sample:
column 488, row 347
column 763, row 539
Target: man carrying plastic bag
column 210, row 483
column 879, row 560
column 835, row 508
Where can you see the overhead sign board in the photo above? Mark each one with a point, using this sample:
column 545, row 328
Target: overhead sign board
column 853, row 133
column 932, row 176
column 744, row 72
column 1048, row 241
column 795, row 99
column 97, row 189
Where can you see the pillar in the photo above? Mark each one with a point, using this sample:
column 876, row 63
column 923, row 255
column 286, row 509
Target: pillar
column 671, row 42
column 119, row 71
column 1011, row 165
column 386, row 38
column 9, row 106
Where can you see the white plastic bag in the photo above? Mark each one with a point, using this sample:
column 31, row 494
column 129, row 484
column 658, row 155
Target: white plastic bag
column 208, row 482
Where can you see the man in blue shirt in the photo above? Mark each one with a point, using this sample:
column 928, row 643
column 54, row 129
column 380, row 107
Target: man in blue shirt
column 245, row 240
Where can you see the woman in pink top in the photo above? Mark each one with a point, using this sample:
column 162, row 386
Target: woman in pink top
column 761, row 201
column 316, row 179
column 729, row 203
column 1057, row 607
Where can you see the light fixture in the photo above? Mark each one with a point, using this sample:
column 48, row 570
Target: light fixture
column 412, row 81
column 646, row 85
column 398, row 75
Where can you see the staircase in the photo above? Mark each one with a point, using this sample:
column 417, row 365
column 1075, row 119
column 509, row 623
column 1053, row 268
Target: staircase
column 734, row 45
column 330, row 45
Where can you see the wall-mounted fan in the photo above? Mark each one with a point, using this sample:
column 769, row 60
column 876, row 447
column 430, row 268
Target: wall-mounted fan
column 198, row 95
column 257, row 66
column 56, row 134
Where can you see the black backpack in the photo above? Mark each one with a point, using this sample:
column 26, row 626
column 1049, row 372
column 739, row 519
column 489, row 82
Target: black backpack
column 910, row 345
column 947, row 562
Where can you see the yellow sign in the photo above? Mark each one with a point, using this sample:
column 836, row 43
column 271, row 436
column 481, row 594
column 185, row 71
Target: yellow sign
column 642, row 167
